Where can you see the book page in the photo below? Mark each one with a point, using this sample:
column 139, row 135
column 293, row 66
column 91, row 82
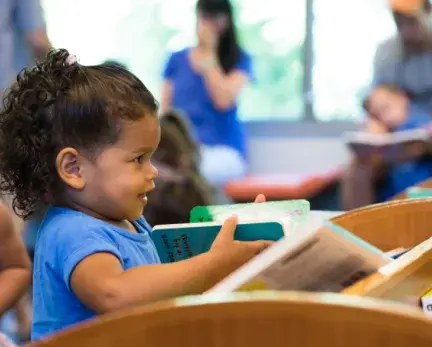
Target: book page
column 324, row 260
column 320, row 265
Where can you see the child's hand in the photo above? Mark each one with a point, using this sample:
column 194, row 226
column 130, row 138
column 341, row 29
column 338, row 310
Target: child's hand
column 237, row 252
column 260, row 198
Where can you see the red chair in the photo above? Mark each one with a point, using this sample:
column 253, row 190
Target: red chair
column 281, row 187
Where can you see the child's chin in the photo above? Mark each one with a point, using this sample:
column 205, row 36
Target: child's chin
column 136, row 214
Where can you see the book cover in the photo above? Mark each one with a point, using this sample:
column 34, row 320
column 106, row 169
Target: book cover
column 182, row 241
column 296, row 211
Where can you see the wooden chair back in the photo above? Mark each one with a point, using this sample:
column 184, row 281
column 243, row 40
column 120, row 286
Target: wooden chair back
column 390, row 225
column 255, row 320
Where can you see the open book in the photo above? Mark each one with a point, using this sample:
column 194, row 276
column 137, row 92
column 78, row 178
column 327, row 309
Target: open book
column 364, row 142
column 315, row 256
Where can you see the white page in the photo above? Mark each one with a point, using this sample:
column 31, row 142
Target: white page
column 309, row 261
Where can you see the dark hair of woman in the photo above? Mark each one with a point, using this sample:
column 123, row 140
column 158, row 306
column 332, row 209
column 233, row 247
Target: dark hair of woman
column 229, row 49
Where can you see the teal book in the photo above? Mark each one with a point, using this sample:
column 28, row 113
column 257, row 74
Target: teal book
column 297, row 211
column 182, row 241
column 417, row 193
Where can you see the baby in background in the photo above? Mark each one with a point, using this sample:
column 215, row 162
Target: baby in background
column 389, row 109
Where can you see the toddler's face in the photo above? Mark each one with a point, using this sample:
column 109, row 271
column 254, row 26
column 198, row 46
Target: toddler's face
column 388, row 107
column 123, row 174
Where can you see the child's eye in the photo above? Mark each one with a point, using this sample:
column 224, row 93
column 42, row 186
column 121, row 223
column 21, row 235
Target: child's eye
column 139, row 160
column 142, row 158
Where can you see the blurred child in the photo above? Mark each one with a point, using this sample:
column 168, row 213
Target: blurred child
column 180, row 186
column 80, row 138
column 390, row 110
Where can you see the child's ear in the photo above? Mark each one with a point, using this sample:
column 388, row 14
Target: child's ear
column 69, row 164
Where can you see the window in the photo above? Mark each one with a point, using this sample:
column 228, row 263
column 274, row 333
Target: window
column 140, row 33
column 345, row 36
column 273, row 32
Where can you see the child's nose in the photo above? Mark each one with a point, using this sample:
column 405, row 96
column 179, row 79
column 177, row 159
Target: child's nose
column 154, row 172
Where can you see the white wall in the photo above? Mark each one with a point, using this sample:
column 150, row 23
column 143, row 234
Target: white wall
column 296, row 155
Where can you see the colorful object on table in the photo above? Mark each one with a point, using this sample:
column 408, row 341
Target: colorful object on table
column 417, row 193
column 177, row 242
column 296, row 210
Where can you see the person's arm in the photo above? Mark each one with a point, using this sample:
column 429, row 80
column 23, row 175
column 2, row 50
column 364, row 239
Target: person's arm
column 15, row 267
column 386, row 63
column 223, row 88
column 166, row 95
column 29, row 16
column 100, row 282
column 168, row 73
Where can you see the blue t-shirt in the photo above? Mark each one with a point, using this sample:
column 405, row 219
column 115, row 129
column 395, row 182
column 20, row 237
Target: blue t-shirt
column 65, row 238
column 190, row 95
column 405, row 175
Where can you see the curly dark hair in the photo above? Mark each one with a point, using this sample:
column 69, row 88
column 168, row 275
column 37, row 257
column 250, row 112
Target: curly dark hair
column 59, row 104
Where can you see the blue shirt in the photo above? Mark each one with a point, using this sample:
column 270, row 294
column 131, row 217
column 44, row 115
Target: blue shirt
column 405, row 175
column 190, row 95
column 65, row 238
column 17, row 18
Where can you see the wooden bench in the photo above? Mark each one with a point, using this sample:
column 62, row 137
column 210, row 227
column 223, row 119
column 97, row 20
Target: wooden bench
column 390, row 225
column 255, row 320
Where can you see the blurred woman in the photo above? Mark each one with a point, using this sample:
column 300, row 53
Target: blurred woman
column 204, row 82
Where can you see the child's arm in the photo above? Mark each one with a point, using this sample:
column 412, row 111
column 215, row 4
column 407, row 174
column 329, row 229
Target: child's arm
column 15, row 267
column 100, row 282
